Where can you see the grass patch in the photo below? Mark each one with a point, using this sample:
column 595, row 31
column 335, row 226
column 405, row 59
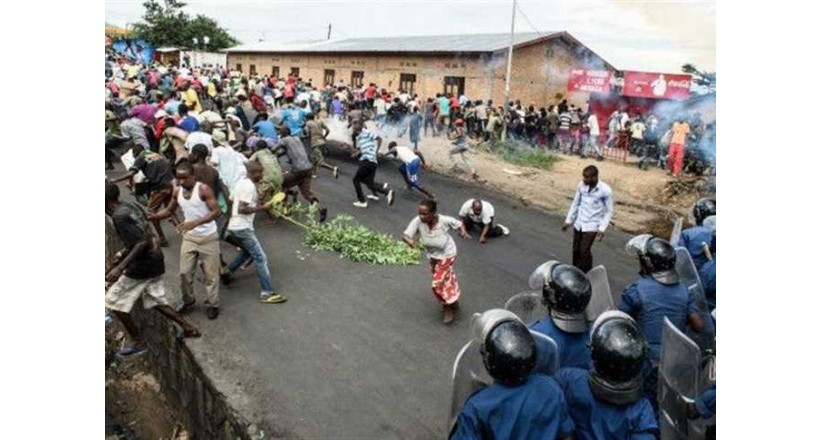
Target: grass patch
column 519, row 153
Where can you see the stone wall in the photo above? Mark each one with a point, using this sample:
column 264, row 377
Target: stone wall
column 188, row 390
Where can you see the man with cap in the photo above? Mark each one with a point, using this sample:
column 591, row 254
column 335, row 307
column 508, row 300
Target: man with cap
column 480, row 213
column 607, row 401
column 697, row 238
column 656, row 295
column 518, row 405
column 567, row 291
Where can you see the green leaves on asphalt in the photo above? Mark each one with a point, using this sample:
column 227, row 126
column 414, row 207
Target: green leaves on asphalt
column 358, row 243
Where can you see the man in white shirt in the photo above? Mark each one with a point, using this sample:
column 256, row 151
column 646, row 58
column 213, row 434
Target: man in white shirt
column 240, row 227
column 589, row 215
column 480, row 213
column 412, row 163
column 203, row 136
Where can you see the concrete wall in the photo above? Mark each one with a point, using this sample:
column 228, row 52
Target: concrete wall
column 190, row 393
column 540, row 72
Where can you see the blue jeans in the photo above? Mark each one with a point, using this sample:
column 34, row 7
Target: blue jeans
column 251, row 249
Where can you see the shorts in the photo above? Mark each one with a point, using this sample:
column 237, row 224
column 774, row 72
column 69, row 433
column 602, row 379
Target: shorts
column 411, row 170
column 459, row 148
column 125, row 292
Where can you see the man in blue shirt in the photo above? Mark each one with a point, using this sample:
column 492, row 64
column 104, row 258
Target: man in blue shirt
column 519, row 405
column 365, row 146
column 708, row 276
column 697, row 238
column 567, row 291
column 657, row 294
column 265, row 128
column 186, row 121
column 606, row 402
column 294, row 118
column 589, row 215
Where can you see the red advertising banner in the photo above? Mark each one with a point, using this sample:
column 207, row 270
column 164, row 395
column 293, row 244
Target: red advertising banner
column 591, row 81
column 656, row 85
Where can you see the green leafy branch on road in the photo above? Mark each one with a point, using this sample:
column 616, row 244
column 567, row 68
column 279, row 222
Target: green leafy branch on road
column 349, row 238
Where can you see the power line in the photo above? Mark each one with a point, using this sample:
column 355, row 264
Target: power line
column 527, row 19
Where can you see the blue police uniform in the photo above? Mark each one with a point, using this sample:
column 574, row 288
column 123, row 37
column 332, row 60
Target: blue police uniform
column 535, row 409
column 708, row 278
column 595, row 419
column 573, row 350
column 707, row 403
column 649, row 301
column 692, row 239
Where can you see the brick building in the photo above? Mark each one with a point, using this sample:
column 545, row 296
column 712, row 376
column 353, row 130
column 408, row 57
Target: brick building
column 470, row 64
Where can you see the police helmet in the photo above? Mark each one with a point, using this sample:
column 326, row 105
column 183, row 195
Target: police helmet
column 704, row 208
column 567, row 291
column 619, row 351
column 657, row 257
column 507, row 346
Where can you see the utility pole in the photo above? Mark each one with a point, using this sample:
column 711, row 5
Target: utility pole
column 507, row 79
column 328, row 30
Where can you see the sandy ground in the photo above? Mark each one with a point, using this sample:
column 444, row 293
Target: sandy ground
column 642, row 200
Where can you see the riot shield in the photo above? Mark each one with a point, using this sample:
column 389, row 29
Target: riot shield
column 469, row 376
column 602, row 299
column 546, row 354
column 674, row 238
column 678, row 382
column 689, row 277
column 539, row 275
column 528, row 306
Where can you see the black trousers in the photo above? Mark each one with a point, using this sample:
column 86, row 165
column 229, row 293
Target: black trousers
column 494, row 231
column 582, row 249
column 367, row 174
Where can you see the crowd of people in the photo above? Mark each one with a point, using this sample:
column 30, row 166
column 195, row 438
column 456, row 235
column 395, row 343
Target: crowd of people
column 217, row 146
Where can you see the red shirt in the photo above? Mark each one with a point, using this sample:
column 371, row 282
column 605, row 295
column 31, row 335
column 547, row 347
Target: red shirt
column 454, row 102
column 257, row 103
column 370, row 92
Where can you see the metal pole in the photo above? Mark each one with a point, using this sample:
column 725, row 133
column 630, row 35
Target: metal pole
column 507, row 79
column 328, row 30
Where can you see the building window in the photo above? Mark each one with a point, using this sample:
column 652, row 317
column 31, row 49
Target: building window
column 357, row 78
column 330, row 76
column 274, row 71
column 454, row 85
column 407, row 83
column 294, row 71
column 253, row 69
column 239, row 67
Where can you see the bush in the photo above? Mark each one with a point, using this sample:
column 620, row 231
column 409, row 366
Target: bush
column 520, row 153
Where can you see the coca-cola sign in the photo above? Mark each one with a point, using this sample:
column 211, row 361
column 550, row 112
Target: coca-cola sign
column 590, row 81
column 657, row 85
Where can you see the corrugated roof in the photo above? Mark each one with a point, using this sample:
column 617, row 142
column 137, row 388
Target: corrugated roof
column 428, row 43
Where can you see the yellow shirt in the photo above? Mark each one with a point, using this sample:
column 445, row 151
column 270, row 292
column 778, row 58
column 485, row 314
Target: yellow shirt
column 192, row 100
column 211, row 90
column 679, row 132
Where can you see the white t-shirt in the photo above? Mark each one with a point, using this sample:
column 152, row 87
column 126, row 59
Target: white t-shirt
column 487, row 212
column 244, row 191
column 437, row 241
column 230, row 165
column 405, row 154
column 199, row 137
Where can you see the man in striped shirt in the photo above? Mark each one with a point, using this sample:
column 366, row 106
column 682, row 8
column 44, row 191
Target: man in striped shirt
column 366, row 145
column 564, row 134
column 589, row 215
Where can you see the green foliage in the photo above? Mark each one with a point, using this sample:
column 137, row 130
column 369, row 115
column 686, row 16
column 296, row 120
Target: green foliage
column 521, row 154
column 170, row 26
column 349, row 238
column 358, row 243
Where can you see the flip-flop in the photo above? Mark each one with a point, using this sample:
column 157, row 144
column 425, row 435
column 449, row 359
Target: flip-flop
column 132, row 351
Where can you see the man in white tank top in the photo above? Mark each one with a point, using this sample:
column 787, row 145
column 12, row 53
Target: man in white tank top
column 200, row 239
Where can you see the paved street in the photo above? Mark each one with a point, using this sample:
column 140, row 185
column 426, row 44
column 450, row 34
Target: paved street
column 359, row 351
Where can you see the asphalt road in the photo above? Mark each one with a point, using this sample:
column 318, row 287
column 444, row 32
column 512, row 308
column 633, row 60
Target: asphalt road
column 359, row 351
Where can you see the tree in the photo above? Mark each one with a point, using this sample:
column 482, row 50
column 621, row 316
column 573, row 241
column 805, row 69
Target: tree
column 706, row 80
column 169, row 26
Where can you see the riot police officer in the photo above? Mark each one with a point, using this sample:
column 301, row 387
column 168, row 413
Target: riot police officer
column 519, row 404
column 566, row 291
column 607, row 402
column 697, row 238
column 657, row 294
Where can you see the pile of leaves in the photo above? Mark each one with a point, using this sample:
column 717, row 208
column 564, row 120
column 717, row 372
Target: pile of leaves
column 358, row 243
column 349, row 238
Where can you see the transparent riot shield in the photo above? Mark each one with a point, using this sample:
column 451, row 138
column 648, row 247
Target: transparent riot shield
column 546, row 354
column 602, row 299
column 528, row 306
column 674, row 238
column 678, row 382
column 689, row 277
column 469, row 376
